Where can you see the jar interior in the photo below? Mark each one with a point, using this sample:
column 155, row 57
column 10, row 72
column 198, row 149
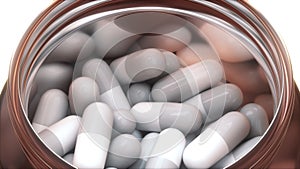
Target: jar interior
column 192, row 37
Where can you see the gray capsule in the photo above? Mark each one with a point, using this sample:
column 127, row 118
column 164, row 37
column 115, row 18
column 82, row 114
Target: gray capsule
column 61, row 136
column 139, row 66
column 215, row 102
column 54, row 76
column 187, row 82
column 124, row 123
column 147, row 145
column 76, row 47
column 171, row 41
column 52, row 107
column 111, row 40
column 94, row 136
column 124, row 151
column 258, row 119
column 157, row 116
column 237, row 153
column 110, row 91
column 82, row 92
column 139, row 92
column 167, row 151
column 223, row 135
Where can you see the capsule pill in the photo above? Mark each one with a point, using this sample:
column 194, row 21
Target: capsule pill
column 111, row 40
column 217, row 140
column 171, row 41
column 139, row 66
column 76, row 47
column 61, row 136
column 257, row 117
column 187, row 82
column 94, row 136
column 213, row 103
column 157, row 116
column 52, row 107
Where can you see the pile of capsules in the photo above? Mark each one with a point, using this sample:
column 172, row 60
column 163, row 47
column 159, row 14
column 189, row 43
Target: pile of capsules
column 150, row 100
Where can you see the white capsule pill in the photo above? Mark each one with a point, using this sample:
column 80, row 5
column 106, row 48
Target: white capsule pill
column 147, row 145
column 124, row 123
column 112, row 41
column 187, row 82
column 216, row 141
column 52, row 107
column 258, row 119
column 69, row 158
column 110, row 91
column 171, row 41
column 139, row 92
column 157, row 116
column 196, row 52
column 228, row 47
column 82, row 92
column 139, row 66
column 215, row 102
column 78, row 46
column 94, row 136
column 237, row 153
column 124, row 150
column 61, row 136
column 167, row 152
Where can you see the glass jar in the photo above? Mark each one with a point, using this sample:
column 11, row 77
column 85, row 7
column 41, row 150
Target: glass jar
column 21, row 147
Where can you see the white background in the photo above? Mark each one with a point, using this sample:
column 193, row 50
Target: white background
column 16, row 16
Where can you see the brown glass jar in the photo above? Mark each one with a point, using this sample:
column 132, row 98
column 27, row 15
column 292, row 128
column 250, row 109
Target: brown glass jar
column 21, row 148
